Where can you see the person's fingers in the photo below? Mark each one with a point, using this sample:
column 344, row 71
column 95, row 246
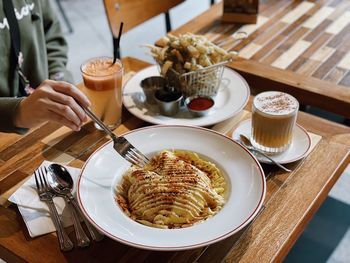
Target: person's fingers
column 69, row 101
column 62, row 120
column 64, row 111
column 71, row 90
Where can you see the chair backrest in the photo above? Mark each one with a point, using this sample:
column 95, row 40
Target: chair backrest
column 134, row 12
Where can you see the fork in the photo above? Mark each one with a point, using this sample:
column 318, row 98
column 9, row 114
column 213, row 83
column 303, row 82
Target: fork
column 121, row 144
column 46, row 196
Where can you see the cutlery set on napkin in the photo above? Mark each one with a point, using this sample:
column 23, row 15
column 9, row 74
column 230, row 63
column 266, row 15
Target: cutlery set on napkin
column 46, row 203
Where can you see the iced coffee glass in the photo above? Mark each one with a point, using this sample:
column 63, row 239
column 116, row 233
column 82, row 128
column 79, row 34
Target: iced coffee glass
column 273, row 118
column 103, row 86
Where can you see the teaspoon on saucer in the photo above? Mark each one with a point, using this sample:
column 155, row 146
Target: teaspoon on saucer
column 247, row 143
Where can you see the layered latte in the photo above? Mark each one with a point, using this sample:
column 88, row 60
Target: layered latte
column 273, row 118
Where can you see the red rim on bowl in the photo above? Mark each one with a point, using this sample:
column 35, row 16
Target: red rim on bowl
column 226, row 233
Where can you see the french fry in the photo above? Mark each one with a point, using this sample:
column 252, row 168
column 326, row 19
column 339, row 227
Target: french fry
column 187, row 65
column 193, row 51
column 162, row 54
column 168, row 64
column 201, row 48
column 178, row 55
column 187, row 52
column 163, row 42
column 204, row 61
column 175, row 44
column 185, row 42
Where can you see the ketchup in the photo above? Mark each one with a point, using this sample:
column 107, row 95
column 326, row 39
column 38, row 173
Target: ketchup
column 199, row 104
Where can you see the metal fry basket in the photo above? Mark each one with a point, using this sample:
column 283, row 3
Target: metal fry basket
column 205, row 82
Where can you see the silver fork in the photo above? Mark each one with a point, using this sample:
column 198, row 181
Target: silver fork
column 121, row 144
column 46, row 196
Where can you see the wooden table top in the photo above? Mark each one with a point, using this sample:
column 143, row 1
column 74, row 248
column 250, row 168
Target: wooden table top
column 302, row 47
column 291, row 200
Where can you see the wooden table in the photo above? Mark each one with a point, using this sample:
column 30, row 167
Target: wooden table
column 291, row 201
column 301, row 47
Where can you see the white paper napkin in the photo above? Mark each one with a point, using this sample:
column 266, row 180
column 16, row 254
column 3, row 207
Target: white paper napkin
column 35, row 213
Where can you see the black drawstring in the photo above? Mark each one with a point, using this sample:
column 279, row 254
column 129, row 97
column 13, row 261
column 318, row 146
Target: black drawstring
column 16, row 45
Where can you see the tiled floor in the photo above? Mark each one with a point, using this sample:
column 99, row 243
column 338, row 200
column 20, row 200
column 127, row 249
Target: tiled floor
column 327, row 238
column 341, row 190
column 91, row 36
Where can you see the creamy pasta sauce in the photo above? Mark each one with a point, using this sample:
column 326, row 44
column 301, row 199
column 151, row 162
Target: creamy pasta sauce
column 177, row 189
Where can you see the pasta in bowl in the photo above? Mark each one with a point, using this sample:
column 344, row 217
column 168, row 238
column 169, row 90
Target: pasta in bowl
column 176, row 189
column 244, row 190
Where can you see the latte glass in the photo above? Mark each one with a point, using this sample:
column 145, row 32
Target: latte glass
column 274, row 115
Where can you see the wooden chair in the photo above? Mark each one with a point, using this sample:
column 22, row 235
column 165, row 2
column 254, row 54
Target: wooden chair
column 135, row 12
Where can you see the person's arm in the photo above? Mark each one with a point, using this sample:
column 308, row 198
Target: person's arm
column 8, row 107
column 56, row 45
column 56, row 101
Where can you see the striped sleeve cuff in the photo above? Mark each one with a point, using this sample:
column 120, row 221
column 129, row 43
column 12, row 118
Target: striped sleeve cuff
column 8, row 107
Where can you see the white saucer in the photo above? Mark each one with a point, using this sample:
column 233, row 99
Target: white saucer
column 301, row 143
column 232, row 96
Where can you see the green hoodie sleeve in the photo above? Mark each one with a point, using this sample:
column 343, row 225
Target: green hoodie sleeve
column 8, row 108
column 56, row 45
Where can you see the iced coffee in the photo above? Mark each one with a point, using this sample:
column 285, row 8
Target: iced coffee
column 103, row 86
column 273, row 118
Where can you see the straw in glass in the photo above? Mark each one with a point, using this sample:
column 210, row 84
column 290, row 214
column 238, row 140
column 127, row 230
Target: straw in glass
column 116, row 43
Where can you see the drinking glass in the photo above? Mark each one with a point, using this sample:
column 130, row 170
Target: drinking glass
column 103, row 86
column 274, row 115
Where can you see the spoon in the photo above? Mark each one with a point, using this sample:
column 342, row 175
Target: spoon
column 61, row 182
column 248, row 144
column 61, row 189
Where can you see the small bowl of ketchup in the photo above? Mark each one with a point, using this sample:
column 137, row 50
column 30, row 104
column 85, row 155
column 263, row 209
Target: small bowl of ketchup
column 199, row 105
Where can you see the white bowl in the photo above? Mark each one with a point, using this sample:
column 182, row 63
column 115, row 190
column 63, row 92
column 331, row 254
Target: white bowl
column 104, row 169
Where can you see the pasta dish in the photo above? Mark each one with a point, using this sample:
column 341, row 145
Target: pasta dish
column 176, row 189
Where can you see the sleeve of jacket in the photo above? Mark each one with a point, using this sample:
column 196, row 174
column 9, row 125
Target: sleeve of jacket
column 8, row 108
column 56, row 44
